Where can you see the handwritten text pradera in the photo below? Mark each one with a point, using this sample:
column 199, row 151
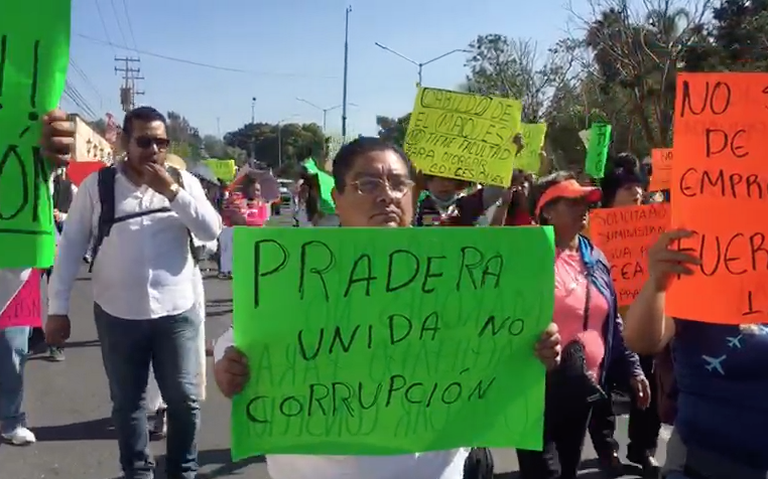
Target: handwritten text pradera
column 473, row 268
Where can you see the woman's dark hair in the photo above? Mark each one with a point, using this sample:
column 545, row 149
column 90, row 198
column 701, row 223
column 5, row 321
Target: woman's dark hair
column 620, row 171
column 345, row 159
column 541, row 186
column 519, row 176
column 311, row 204
column 249, row 180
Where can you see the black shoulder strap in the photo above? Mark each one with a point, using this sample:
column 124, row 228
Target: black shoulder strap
column 107, row 219
column 106, row 186
column 587, row 301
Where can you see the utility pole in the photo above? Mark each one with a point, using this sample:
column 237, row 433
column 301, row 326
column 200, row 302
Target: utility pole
column 253, row 122
column 128, row 91
column 346, row 68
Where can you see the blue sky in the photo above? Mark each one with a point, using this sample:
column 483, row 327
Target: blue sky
column 289, row 49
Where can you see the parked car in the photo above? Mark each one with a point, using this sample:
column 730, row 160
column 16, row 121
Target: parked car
column 286, row 197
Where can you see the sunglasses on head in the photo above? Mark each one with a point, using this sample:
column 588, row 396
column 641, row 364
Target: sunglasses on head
column 145, row 142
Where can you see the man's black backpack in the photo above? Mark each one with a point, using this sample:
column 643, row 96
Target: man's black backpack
column 107, row 219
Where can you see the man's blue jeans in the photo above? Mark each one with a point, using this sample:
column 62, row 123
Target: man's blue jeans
column 170, row 344
column 13, row 356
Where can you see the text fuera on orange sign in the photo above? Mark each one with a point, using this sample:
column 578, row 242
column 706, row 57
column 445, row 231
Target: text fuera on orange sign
column 720, row 191
column 661, row 161
column 625, row 235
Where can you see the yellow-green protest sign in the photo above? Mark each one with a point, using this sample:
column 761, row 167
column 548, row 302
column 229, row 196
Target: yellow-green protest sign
column 223, row 169
column 533, row 141
column 34, row 52
column 390, row 341
column 463, row 136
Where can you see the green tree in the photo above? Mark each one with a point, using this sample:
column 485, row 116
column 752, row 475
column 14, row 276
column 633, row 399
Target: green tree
column 635, row 57
column 276, row 145
column 99, row 126
column 393, row 130
column 215, row 147
column 735, row 40
column 513, row 68
column 185, row 139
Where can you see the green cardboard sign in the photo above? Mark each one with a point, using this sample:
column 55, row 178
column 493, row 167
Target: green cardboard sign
column 367, row 341
column 326, row 182
column 597, row 151
column 34, row 53
column 529, row 160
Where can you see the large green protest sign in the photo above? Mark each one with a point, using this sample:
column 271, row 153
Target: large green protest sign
column 388, row 341
column 34, row 52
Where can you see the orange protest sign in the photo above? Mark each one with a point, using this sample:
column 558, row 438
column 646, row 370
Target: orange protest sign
column 661, row 163
column 624, row 235
column 720, row 191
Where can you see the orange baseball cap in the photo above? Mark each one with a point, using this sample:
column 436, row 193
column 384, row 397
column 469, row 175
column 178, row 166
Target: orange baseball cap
column 569, row 189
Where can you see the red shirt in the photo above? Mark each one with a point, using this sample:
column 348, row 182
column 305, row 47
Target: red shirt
column 256, row 212
column 518, row 218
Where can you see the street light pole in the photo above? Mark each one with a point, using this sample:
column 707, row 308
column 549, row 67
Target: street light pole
column 346, row 69
column 253, row 121
column 324, row 110
column 420, row 65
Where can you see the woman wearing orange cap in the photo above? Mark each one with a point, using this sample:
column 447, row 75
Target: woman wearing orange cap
column 585, row 310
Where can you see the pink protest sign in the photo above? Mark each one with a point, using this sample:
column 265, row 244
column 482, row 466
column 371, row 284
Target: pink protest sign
column 24, row 308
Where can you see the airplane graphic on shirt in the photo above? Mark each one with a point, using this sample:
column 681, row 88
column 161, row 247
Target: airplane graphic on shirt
column 735, row 342
column 714, row 363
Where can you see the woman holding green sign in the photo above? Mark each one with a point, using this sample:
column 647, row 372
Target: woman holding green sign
column 373, row 187
column 586, row 314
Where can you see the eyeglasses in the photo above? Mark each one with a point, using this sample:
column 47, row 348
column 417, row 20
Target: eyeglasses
column 145, row 142
column 376, row 186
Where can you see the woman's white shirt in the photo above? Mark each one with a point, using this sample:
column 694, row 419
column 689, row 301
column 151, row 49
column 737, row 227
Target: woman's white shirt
column 426, row 465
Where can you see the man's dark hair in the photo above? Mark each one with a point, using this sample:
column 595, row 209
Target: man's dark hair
column 345, row 159
column 145, row 114
column 541, row 186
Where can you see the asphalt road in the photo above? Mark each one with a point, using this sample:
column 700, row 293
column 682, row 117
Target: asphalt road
column 68, row 408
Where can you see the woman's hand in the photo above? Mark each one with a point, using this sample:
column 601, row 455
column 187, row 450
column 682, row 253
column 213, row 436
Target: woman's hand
column 642, row 390
column 231, row 372
column 664, row 263
column 548, row 347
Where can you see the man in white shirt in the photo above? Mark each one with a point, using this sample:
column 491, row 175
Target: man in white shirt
column 143, row 290
column 58, row 139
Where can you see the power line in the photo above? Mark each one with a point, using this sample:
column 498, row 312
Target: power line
column 74, row 95
column 200, row 64
column 117, row 20
column 104, row 25
column 130, row 25
column 76, row 68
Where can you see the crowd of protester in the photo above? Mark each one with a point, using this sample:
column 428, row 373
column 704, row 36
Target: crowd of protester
column 150, row 317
